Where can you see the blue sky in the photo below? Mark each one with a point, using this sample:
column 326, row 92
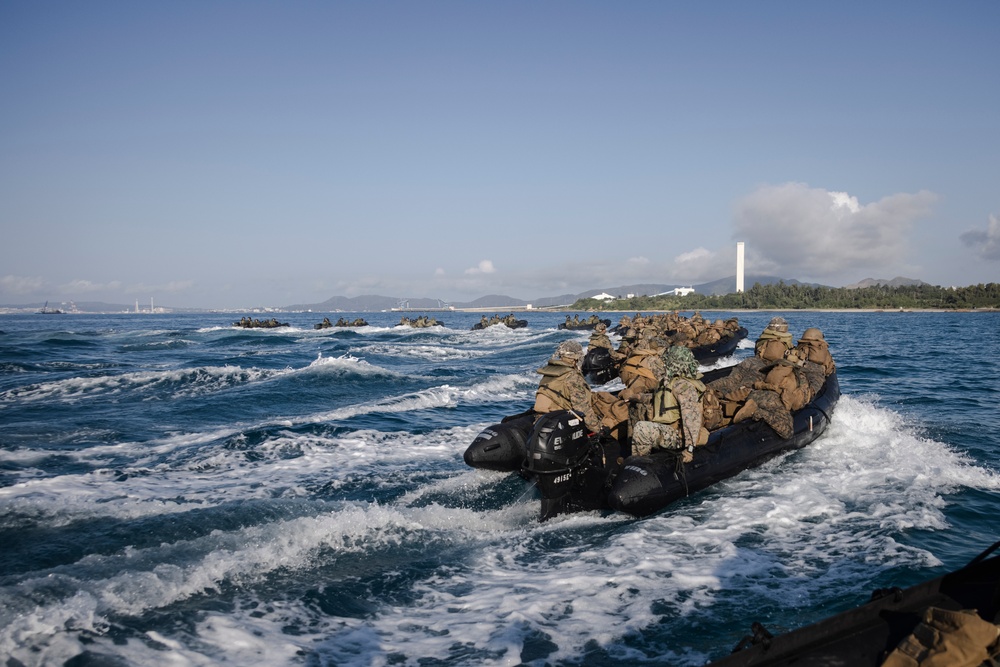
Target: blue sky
column 236, row 154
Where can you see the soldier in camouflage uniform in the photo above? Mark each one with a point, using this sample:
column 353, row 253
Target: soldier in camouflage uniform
column 563, row 387
column 774, row 341
column 683, row 409
column 600, row 339
column 813, row 347
column 643, row 369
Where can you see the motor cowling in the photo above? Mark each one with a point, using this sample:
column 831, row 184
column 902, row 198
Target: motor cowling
column 570, row 467
column 558, row 443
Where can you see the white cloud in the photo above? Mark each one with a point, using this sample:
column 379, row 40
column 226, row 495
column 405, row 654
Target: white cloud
column 696, row 255
column 87, row 287
column 815, row 233
column 637, row 261
column 484, row 266
column 986, row 242
column 20, row 284
column 172, row 287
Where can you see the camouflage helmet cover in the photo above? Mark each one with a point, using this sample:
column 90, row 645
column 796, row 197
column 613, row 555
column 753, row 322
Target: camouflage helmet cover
column 778, row 324
column 679, row 361
column 570, row 349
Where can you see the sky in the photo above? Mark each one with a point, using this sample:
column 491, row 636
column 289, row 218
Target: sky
column 217, row 154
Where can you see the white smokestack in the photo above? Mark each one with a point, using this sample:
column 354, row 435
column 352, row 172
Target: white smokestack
column 739, row 266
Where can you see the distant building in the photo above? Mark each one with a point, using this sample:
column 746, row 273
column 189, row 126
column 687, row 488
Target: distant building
column 682, row 291
column 603, row 296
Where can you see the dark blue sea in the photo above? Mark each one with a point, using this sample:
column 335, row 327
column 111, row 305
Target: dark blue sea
column 177, row 491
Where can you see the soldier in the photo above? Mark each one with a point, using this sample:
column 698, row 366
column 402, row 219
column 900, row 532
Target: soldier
column 684, row 409
column 786, row 378
column 563, row 387
column 600, row 339
column 774, row 341
column 813, row 347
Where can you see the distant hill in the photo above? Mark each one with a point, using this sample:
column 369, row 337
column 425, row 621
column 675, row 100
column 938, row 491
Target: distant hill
column 366, row 302
column 501, row 301
column 898, row 281
column 377, row 303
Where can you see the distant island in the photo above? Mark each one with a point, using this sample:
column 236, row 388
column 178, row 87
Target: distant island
column 766, row 293
column 784, row 296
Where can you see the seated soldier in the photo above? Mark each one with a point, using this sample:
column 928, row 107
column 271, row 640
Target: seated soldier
column 774, row 341
column 784, row 388
column 642, row 369
column 684, row 409
column 813, row 347
column 563, row 387
column 599, row 338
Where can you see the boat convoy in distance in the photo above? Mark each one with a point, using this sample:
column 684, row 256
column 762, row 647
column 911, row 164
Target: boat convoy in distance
column 780, row 399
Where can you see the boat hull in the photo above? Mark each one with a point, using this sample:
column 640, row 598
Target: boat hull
column 647, row 484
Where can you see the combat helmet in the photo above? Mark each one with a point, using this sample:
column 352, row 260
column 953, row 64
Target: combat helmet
column 569, row 349
column 778, row 324
column 812, row 334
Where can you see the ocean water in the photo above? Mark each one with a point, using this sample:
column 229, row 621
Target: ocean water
column 177, row 491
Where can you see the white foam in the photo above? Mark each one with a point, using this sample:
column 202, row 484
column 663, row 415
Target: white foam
column 189, row 381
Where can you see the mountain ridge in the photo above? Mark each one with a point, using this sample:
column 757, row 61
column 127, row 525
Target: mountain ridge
column 376, row 302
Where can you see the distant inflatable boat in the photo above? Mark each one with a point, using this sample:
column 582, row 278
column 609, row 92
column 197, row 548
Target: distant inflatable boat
column 257, row 324
column 576, row 471
column 584, row 325
column 510, row 324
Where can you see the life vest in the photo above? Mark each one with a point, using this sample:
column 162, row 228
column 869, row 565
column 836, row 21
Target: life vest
column 772, row 344
column 633, row 366
column 553, row 393
column 666, row 410
column 818, row 352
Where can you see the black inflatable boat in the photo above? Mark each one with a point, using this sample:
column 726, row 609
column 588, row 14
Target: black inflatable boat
column 515, row 324
column 583, row 326
column 865, row 635
column 579, row 471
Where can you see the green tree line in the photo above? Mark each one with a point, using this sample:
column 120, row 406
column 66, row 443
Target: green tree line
column 783, row 296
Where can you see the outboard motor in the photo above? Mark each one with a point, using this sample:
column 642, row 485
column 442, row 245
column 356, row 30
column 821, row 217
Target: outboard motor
column 598, row 366
column 567, row 464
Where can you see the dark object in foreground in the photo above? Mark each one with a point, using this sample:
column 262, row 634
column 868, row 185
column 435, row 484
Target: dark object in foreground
column 578, row 471
column 865, row 635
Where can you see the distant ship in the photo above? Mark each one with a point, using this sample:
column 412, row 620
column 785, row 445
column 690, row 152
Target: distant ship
column 45, row 310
